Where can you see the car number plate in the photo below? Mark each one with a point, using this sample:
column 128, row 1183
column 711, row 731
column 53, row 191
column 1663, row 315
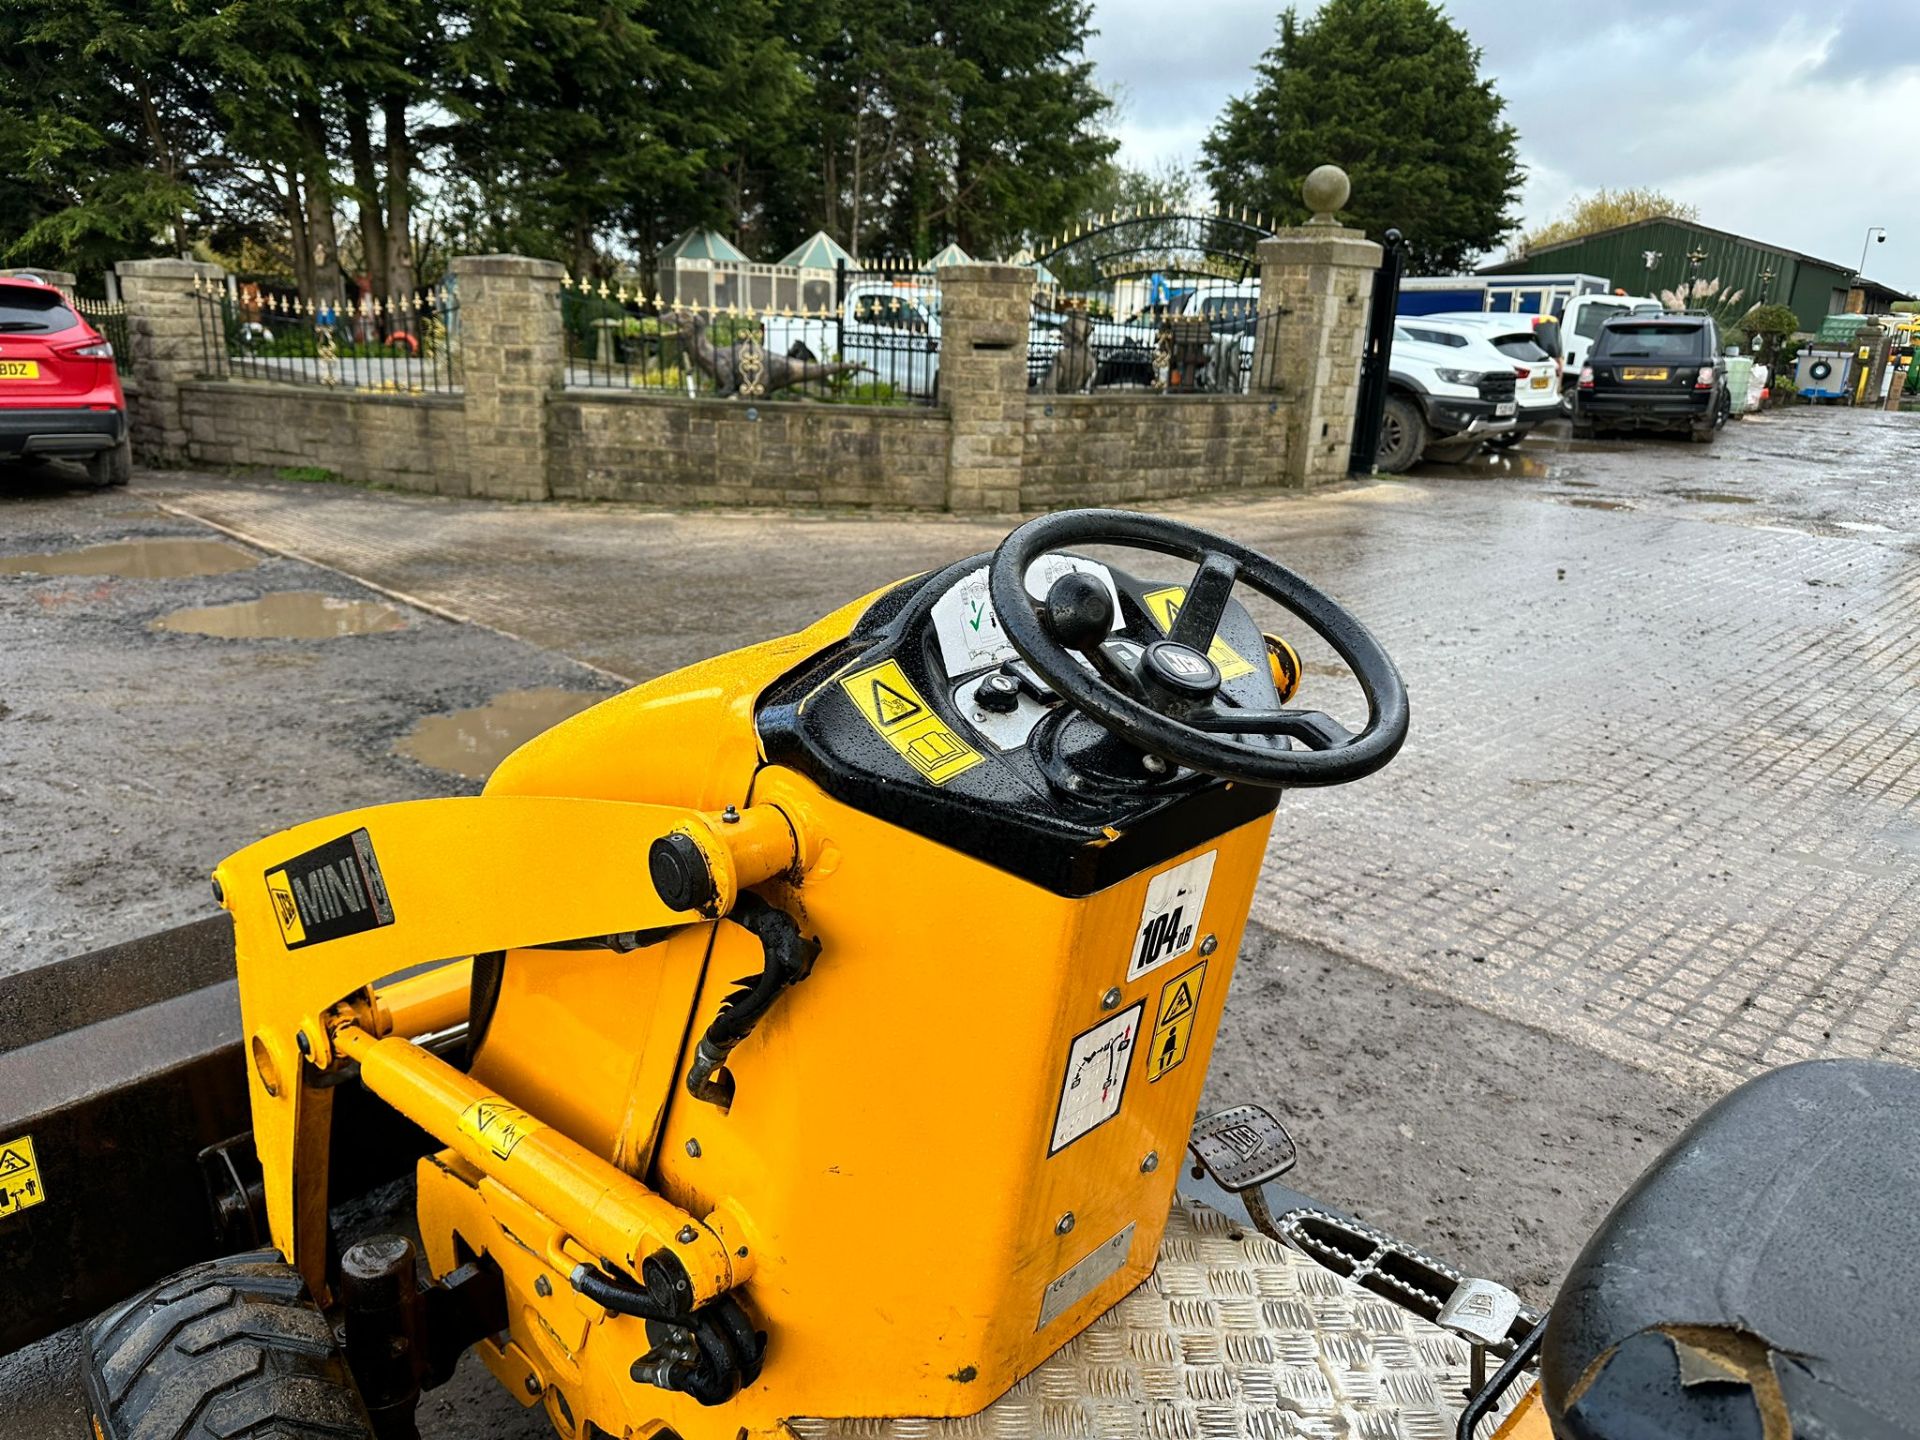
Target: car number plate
column 1540, row 381
column 1505, row 407
column 1643, row 372
column 19, row 369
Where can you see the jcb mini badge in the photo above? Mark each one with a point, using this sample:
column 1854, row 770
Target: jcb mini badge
column 332, row 891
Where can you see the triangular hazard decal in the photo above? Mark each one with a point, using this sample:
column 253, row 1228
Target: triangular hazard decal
column 1181, row 1004
column 12, row 1161
column 891, row 706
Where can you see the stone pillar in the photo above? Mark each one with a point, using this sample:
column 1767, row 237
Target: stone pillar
column 1321, row 277
column 512, row 355
column 171, row 342
column 984, row 311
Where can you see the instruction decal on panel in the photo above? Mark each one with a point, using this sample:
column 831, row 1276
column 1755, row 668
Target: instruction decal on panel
column 1170, row 919
column 1173, row 1021
column 967, row 627
column 20, row 1184
column 1096, row 1079
column 893, row 707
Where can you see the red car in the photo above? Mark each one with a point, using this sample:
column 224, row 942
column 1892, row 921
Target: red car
column 60, row 394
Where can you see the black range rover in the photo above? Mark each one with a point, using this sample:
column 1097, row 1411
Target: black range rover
column 1653, row 372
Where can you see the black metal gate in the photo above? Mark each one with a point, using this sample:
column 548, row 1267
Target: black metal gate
column 1376, row 360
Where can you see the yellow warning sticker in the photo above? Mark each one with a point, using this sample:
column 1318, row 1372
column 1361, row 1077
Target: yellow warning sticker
column 20, row 1187
column 1164, row 606
column 286, row 909
column 893, row 707
column 498, row 1125
column 1173, row 1026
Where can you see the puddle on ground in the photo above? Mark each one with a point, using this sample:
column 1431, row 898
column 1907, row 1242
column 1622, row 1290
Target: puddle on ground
column 1714, row 497
column 472, row 742
column 288, row 615
column 136, row 560
column 1586, row 503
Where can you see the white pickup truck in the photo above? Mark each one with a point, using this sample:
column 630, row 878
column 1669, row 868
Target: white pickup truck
column 1444, row 401
column 893, row 330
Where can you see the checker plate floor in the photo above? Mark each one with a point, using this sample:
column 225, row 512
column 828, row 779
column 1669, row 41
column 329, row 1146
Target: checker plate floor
column 1233, row 1335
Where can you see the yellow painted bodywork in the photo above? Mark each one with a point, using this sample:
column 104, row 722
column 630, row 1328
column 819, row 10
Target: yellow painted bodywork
column 880, row 1195
column 1527, row 1420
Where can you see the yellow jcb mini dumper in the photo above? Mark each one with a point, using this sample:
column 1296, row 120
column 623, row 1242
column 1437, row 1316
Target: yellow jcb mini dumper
column 810, row 1043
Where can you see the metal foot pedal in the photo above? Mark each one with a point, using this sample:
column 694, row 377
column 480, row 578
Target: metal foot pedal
column 1479, row 1311
column 1242, row 1147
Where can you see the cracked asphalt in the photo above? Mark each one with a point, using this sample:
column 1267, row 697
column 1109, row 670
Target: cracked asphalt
column 1653, row 830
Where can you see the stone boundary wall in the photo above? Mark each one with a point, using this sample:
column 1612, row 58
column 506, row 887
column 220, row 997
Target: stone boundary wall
column 1135, row 449
column 516, row 432
column 410, row 442
column 667, row 450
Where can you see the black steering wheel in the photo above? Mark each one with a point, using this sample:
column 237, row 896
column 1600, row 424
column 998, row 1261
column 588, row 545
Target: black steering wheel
column 1167, row 701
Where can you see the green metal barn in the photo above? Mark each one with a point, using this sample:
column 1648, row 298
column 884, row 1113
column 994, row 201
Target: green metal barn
column 1648, row 256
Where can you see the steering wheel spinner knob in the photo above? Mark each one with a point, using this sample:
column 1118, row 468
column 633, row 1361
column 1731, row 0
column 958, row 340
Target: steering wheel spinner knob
column 1078, row 612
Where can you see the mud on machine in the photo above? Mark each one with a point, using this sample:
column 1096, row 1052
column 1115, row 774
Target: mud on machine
column 809, row 1043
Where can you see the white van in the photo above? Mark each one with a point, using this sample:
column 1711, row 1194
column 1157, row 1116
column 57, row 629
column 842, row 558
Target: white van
column 1580, row 321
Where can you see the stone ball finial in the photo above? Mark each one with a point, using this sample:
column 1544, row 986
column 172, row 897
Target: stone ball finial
column 1325, row 190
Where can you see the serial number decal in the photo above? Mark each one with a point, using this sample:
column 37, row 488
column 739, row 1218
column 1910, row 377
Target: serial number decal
column 498, row 1125
column 883, row 694
column 329, row 892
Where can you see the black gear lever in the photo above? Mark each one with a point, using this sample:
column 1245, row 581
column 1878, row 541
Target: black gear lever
column 1079, row 611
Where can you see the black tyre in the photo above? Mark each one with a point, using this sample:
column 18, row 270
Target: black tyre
column 230, row 1350
column 1702, row 434
column 112, row 467
column 1403, row 436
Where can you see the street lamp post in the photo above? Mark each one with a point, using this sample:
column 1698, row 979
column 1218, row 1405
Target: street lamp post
column 1874, row 232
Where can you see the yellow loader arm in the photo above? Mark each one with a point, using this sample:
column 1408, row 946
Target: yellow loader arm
column 345, row 923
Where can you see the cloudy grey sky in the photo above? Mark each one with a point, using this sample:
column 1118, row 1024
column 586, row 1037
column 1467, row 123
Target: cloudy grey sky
column 1752, row 111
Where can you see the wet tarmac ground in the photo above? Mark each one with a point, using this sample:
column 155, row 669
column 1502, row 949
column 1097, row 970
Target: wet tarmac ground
column 1653, row 829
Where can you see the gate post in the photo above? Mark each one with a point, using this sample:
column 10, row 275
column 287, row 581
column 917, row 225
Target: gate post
column 1316, row 281
column 1376, row 360
column 165, row 332
column 984, row 312
column 512, row 356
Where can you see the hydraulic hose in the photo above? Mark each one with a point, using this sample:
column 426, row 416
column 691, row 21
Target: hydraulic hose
column 788, row 958
column 622, row 1297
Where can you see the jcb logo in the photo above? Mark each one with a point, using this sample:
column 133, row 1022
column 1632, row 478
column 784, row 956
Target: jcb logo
column 1162, row 937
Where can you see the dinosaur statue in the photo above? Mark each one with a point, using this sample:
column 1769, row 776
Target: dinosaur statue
column 743, row 367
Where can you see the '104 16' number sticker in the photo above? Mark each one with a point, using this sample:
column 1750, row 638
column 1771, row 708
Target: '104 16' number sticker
column 1170, row 918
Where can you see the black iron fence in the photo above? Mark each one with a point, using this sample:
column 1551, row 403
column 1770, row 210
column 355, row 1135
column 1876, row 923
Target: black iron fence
column 878, row 345
column 1205, row 339
column 109, row 317
column 405, row 345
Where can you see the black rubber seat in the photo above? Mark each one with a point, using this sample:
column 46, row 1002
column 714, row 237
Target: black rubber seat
column 1761, row 1279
